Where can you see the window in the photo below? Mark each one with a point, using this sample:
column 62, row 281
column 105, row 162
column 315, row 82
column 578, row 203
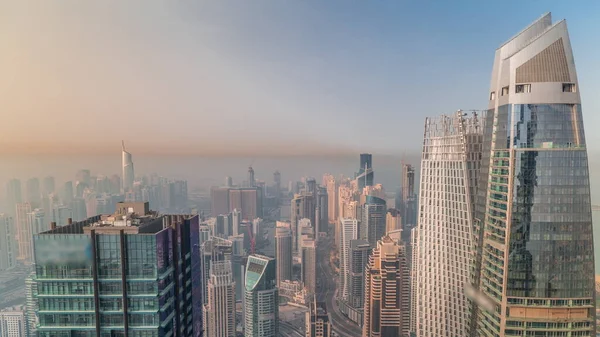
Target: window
column 522, row 88
column 492, row 95
column 504, row 91
column 569, row 87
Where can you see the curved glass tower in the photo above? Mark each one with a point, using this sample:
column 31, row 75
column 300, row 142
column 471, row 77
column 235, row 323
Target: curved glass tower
column 534, row 271
column 261, row 302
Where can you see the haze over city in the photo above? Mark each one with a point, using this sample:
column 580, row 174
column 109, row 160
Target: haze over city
column 299, row 168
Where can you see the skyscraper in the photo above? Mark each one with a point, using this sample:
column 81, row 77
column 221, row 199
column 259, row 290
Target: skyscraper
column 321, row 211
column 219, row 197
column 355, row 277
column 23, row 231
column 33, row 193
column 12, row 322
column 409, row 214
column 283, row 253
column 451, row 152
column 317, row 320
column 128, row 266
column 13, row 195
column 365, row 174
column 31, row 305
column 309, row 265
column 277, row 183
column 533, row 216
column 373, row 223
column 332, row 200
column 247, row 200
column 303, row 206
column 386, row 294
column 128, row 173
column 261, row 305
column 393, row 220
column 220, row 310
column 348, row 232
column 48, row 186
column 8, row 247
column 251, row 180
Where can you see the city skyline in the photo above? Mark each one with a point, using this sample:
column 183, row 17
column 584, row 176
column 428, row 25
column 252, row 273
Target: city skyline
column 319, row 66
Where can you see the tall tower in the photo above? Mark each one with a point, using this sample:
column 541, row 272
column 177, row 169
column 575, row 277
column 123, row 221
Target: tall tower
column 13, row 195
column 8, row 247
column 33, row 193
column 373, row 220
column 309, row 265
column 332, row 200
column 31, row 305
column 128, row 174
column 386, row 294
column 409, row 214
column 261, row 298
column 449, row 168
column 365, row 174
column 283, row 254
column 348, row 232
column 251, row 181
column 23, row 231
column 533, row 216
column 220, row 310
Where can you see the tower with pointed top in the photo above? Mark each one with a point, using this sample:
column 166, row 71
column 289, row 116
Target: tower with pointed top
column 127, row 164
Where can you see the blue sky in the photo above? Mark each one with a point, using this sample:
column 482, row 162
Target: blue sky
column 253, row 76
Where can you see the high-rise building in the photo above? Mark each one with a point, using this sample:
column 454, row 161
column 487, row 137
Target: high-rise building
column 48, row 186
column 373, row 225
column 31, row 305
column 219, row 198
column 277, row 183
column 413, row 281
column 387, row 296
column 283, row 253
column 261, row 298
column 451, row 152
column 214, row 250
column 321, row 211
column 12, row 322
column 355, row 277
column 219, row 312
column 348, row 232
column 303, row 207
column 365, row 174
column 32, row 192
column 228, row 181
column 8, row 247
column 60, row 214
column 84, row 176
column 408, row 202
column 535, row 267
column 67, row 193
column 251, row 180
column 393, row 220
column 23, row 232
column 309, row 265
column 332, row 200
column 128, row 173
column 317, row 320
column 152, row 255
column 13, row 196
column 247, row 200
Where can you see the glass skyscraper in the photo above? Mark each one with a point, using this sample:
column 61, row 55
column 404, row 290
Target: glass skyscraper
column 261, row 298
column 534, row 273
column 131, row 274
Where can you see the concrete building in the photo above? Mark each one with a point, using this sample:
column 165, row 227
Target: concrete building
column 31, row 305
column 261, row 298
column 309, row 264
column 533, row 211
column 393, row 220
column 449, row 167
column 152, row 254
column 302, row 206
column 373, row 223
column 23, row 231
column 365, row 174
column 332, row 200
column 12, row 322
column 317, row 320
column 387, row 304
column 128, row 175
column 353, row 307
column 349, row 232
column 283, row 253
column 219, row 312
column 219, row 197
column 8, row 247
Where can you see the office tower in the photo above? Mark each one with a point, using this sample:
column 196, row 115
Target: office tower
column 8, row 247
column 31, row 305
column 451, row 151
column 311, row 186
column 84, row 176
column 219, row 198
column 251, row 180
column 414, row 235
column 32, row 192
column 236, row 220
column 238, row 264
column 22, row 230
column 219, row 315
column 283, row 253
column 36, row 221
column 277, row 183
column 321, row 211
column 386, row 292
column 317, row 320
column 309, row 265
column 535, row 211
column 79, row 209
column 304, row 228
column 155, row 256
column 247, row 200
column 332, row 201
column 256, row 227
column 261, row 298
column 228, row 181
column 214, row 250
column 348, row 232
column 408, row 202
column 373, row 224
column 355, row 278
column 48, row 185
column 365, row 175
column 13, row 195
column 67, row 193
column 303, row 206
column 393, row 220
column 128, row 173
column 12, row 322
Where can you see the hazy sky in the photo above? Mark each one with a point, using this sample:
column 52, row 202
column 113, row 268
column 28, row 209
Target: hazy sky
column 259, row 76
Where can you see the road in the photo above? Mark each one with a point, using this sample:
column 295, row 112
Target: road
column 328, row 289
column 288, row 330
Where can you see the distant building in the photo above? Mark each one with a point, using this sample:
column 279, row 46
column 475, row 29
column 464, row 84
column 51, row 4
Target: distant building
column 219, row 197
column 33, row 193
column 309, row 265
column 12, row 322
column 387, row 300
column 393, row 220
column 23, row 231
column 128, row 173
column 332, row 197
column 373, row 224
column 156, row 256
column 317, row 320
column 303, row 206
column 247, row 200
column 408, row 202
column 365, row 174
column 349, row 232
column 13, row 196
column 283, row 253
column 261, row 305
column 8, row 247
